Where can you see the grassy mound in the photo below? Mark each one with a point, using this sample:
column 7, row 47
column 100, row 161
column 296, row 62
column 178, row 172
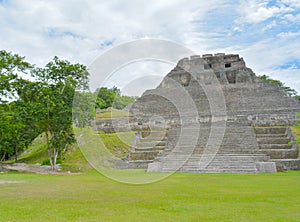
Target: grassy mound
column 36, row 153
column 117, row 143
column 111, row 113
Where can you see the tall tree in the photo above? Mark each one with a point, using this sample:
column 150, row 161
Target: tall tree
column 60, row 79
column 14, row 135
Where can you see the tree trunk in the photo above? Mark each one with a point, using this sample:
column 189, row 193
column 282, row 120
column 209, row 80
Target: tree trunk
column 55, row 158
column 1, row 168
column 49, row 151
column 50, row 158
column 16, row 153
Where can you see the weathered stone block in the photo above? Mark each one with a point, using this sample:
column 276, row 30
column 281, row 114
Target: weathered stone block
column 266, row 167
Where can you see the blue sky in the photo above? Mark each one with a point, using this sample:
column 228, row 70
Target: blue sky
column 265, row 33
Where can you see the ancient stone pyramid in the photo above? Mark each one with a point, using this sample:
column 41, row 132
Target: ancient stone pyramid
column 213, row 114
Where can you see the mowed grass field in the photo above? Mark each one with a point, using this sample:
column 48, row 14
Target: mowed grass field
column 180, row 197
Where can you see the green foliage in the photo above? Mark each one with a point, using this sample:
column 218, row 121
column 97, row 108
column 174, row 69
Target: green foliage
column 83, row 110
column 122, row 101
column 289, row 91
column 112, row 98
column 297, row 97
column 64, row 73
column 44, row 105
column 36, row 152
column 47, row 162
column 106, row 97
column 10, row 66
column 60, row 79
column 15, row 128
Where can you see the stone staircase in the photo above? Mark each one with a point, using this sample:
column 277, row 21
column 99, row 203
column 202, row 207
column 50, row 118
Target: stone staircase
column 146, row 147
column 279, row 144
column 244, row 150
column 219, row 163
column 228, row 158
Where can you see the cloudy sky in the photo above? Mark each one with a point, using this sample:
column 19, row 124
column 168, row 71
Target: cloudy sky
column 265, row 33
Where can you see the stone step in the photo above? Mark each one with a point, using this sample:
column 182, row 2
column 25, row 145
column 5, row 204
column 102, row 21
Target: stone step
column 151, row 143
column 153, row 148
column 140, row 161
column 142, row 155
column 280, row 153
column 272, row 140
column 175, row 167
column 217, row 156
column 214, row 163
column 154, row 134
column 195, row 170
column 252, row 166
column 271, row 135
column 189, row 160
column 276, row 146
column 270, row 130
column 151, row 139
column 287, row 164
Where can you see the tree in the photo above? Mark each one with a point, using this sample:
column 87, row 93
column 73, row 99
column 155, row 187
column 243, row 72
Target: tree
column 58, row 79
column 14, row 132
column 10, row 66
column 106, row 97
column 83, row 109
column 112, row 98
column 44, row 105
column 122, row 101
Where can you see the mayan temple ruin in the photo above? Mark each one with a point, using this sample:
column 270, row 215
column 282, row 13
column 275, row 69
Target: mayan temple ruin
column 211, row 113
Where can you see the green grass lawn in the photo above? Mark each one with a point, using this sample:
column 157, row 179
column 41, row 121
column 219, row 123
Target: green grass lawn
column 180, row 197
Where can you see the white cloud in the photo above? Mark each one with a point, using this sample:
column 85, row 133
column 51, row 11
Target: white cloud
column 80, row 30
column 292, row 18
column 292, row 3
column 27, row 25
column 288, row 34
column 257, row 11
column 269, row 26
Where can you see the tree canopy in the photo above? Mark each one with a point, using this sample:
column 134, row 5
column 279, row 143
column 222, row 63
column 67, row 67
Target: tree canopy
column 112, row 98
column 45, row 104
column 42, row 105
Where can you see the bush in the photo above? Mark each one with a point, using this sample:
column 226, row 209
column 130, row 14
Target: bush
column 47, row 162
